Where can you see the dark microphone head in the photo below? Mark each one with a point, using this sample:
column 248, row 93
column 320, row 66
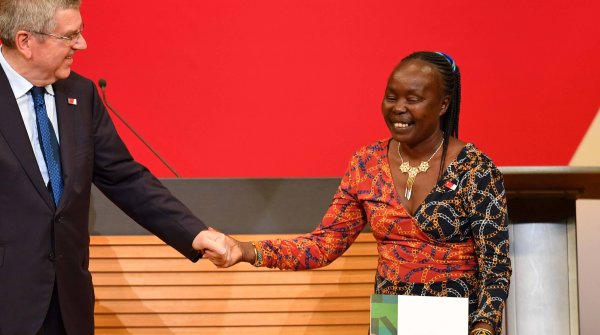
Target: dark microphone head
column 102, row 83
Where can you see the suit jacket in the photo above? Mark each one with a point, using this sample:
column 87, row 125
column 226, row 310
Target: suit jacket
column 91, row 152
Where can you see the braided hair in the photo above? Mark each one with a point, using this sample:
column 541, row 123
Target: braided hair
column 450, row 74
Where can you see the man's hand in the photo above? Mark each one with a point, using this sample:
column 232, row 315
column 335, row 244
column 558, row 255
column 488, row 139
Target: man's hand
column 222, row 250
column 210, row 240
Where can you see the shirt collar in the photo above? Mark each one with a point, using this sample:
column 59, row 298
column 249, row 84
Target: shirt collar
column 19, row 85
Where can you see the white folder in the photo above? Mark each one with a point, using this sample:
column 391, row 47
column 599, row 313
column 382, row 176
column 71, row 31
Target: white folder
column 424, row 315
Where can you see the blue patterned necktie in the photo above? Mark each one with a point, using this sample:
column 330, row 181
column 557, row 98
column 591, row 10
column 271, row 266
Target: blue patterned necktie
column 49, row 143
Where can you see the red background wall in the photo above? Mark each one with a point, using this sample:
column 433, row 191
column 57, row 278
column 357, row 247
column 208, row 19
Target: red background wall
column 275, row 88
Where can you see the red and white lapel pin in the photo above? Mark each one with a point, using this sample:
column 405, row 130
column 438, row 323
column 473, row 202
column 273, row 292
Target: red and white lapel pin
column 449, row 184
column 72, row 101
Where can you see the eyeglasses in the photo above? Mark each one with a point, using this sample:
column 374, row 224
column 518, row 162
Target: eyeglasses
column 70, row 39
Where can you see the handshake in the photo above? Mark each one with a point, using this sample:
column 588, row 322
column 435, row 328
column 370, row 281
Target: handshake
column 223, row 250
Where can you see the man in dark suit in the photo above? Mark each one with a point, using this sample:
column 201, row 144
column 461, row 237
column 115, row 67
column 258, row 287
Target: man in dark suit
column 56, row 139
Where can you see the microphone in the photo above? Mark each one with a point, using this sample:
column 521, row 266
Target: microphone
column 102, row 84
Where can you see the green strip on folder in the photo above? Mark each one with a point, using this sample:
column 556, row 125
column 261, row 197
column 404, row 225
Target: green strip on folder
column 384, row 314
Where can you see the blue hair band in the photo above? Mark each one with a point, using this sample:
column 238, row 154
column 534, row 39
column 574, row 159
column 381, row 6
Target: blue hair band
column 449, row 59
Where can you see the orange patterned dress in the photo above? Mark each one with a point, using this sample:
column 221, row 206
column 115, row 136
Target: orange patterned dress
column 456, row 243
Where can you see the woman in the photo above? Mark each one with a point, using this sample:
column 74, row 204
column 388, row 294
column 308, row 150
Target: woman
column 436, row 205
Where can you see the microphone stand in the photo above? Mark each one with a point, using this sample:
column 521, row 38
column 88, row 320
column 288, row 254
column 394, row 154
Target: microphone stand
column 102, row 84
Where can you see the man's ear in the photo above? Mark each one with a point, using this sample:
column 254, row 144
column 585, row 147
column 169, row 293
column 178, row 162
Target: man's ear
column 23, row 40
column 445, row 104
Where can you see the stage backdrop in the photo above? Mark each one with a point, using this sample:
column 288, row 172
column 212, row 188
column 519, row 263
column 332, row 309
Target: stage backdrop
column 274, row 88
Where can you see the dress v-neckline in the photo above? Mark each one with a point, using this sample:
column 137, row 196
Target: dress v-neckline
column 396, row 195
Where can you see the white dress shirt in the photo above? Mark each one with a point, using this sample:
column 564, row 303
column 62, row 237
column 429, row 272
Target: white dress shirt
column 21, row 87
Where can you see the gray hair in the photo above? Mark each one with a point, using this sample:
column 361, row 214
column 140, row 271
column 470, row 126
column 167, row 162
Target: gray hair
column 29, row 15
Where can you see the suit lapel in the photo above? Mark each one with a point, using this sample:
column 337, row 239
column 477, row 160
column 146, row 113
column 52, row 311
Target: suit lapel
column 14, row 132
column 66, row 130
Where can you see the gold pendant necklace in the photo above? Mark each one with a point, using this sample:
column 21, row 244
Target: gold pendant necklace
column 413, row 171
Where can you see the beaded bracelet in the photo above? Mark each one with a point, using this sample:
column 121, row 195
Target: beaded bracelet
column 480, row 331
column 258, row 262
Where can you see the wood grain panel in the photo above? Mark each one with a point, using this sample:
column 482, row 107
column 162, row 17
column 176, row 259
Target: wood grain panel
column 184, row 265
column 228, row 292
column 145, row 287
column 242, row 305
column 228, row 319
column 231, row 330
column 227, row 278
column 165, row 251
